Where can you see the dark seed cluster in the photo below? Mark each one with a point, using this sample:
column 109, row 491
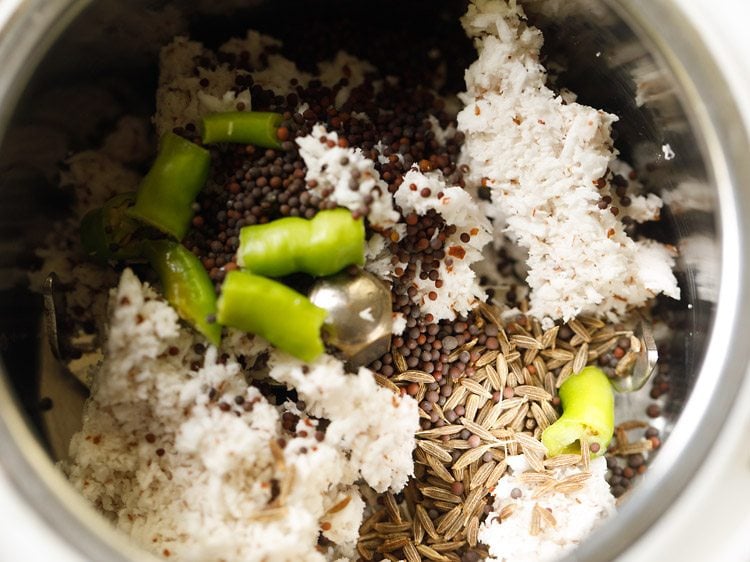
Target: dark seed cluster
column 619, row 184
column 624, row 469
column 253, row 186
column 609, row 361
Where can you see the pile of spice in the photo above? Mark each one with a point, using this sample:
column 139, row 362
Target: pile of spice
column 500, row 393
column 434, row 450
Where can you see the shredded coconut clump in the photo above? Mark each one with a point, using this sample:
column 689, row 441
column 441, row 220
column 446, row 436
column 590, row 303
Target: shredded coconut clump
column 460, row 292
column 184, row 96
column 348, row 66
column 543, row 159
column 370, row 421
column 186, row 458
column 333, row 168
column 441, row 134
column 192, row 83
column 575, row 514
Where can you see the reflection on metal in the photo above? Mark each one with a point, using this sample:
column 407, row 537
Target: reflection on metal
column 640, row 361
column 54, row 304
column 360, row 321
column 56, row 327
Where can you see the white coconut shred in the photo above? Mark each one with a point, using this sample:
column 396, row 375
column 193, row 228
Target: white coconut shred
column 460, row 292
column 573, row 514
column 331, row 168
column 546, row 164
column 184, row 456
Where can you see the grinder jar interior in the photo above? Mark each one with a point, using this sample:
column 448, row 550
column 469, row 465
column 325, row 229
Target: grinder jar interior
column 637, row 61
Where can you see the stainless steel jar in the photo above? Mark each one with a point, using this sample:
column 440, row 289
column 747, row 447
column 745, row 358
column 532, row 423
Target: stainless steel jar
column 640, row 59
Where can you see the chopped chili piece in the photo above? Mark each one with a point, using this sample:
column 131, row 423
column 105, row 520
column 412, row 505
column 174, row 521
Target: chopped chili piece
column 243, row 127
column 265, row 307
column 186, row 285
column 323, row 245
column 166, row 195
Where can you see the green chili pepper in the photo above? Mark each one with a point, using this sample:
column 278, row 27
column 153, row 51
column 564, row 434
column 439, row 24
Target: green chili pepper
column 588, row 413
column 107, row 233
column 243, row 127
column 186, row 285
column 166, row 195
column 287, row 319
column 321, row 246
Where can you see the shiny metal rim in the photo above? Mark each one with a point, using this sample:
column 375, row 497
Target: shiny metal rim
column 25, row 39
column 713, row 112
column 36, row 23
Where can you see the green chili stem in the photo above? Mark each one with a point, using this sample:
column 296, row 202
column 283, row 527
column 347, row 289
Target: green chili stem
column 321, row 246
column 243, row 127
column 261, row 306
column 166, row 195
column 588, row 413
column 186, row 285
